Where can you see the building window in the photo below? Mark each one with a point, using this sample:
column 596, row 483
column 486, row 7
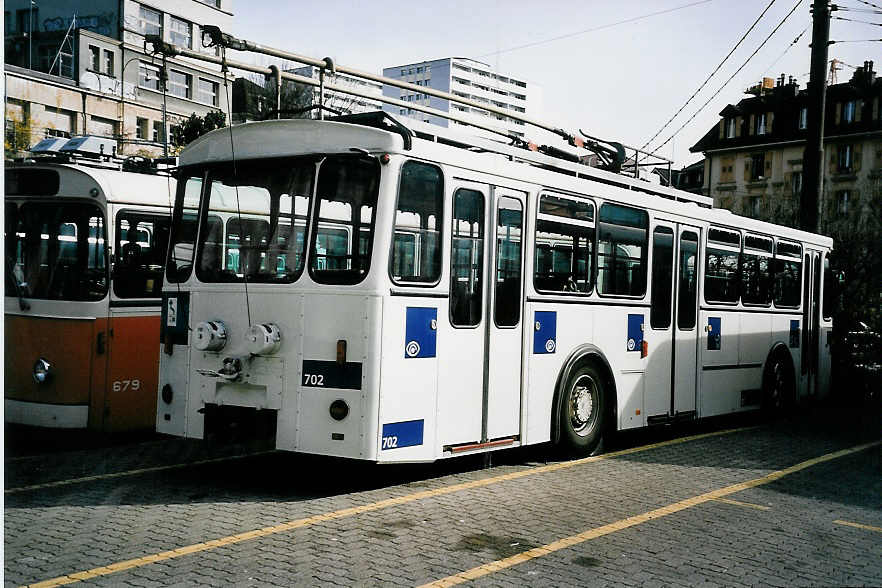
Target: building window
column 57, row 133
column 215, row 3
column 94, row 58
column 755, row 205
column 730, row 127
column 796, row 184
column 26, row 20
column 760, row 124
column 108, row 62
column 757, row 166
column 842, row 201
column 179, row 83
column 142, row 126
column 157, row 131
column 207, row 92
column 181, row 32
column 845, row 158
column 149, row 21
column 148, row 76
column 803, row 118
column 848, row 111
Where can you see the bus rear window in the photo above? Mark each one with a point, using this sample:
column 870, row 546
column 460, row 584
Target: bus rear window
column 255, row 220
column 343, row 227
column 57, row 252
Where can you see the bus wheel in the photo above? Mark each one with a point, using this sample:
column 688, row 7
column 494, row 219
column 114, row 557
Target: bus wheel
column 582, row 411
column 778, row 385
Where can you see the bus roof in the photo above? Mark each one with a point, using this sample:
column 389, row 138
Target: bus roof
column 449, row 146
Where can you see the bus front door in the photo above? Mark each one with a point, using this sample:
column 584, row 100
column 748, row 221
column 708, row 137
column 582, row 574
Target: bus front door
column 685, row 348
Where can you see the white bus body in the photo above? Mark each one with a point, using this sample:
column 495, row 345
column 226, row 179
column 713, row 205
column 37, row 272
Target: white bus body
column 400, row 347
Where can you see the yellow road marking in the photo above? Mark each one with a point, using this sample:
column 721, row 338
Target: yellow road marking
column 858, row 525
column 356, row 510
column 744, row 504
column 534, row 553
column 130, row 472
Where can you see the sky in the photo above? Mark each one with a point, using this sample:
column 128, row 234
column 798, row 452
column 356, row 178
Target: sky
column 619, row 82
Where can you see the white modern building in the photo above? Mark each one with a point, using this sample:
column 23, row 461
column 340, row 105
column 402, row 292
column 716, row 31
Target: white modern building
column 76, row 67
column 469, row 79
column 345, row 103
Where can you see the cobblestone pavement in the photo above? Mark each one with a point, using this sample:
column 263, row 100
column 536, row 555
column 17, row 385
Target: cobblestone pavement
column 142, row 519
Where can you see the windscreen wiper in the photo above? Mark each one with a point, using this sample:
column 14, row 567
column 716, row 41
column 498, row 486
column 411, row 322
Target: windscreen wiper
column 19, row 289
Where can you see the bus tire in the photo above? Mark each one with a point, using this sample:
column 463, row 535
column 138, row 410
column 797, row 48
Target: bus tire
column 779, row 389
column 583, row 410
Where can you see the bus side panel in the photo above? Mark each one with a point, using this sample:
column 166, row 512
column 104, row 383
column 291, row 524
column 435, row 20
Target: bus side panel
column 409, row 379
column 132, row 372
column 574, row 325
column 65, row 343
column 612, row 336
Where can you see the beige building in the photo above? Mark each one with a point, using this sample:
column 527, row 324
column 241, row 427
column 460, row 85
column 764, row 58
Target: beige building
column 754, row 154
column 76, row 67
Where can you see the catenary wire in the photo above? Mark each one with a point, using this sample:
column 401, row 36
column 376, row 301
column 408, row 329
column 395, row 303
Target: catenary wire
column 597, row 28
column 789, row 47
column 712, row 74
column 726, row 83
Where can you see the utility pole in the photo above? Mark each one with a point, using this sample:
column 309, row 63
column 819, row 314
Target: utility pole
column 813, row 156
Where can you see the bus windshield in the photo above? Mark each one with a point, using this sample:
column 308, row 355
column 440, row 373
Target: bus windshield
column 56, row 251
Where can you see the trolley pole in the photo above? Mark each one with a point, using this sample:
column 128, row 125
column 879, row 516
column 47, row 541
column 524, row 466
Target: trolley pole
column 813, row 156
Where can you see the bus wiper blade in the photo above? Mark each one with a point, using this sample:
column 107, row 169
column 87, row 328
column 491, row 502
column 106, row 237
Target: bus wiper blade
column 19, row 289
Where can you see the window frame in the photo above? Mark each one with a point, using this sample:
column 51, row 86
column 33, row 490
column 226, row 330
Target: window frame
column 152, row 69
column 483, row 265
column 727, row 247
column 142, row 30
column 767, row 253
column 439, row 224
column 666, row 230
column 592, row 274
column 499, row 199
column 188, row 84
column 799, row 279
column 644, row 257
column 140, row 214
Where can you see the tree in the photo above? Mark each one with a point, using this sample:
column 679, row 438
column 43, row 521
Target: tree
column 194, row 127
column 18, row 135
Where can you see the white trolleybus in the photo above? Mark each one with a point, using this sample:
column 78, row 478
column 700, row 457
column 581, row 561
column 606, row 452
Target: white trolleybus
column 85, row 248
column 395, row 291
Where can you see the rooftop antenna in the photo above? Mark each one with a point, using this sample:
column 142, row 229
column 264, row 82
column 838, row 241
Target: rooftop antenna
column 73, row 23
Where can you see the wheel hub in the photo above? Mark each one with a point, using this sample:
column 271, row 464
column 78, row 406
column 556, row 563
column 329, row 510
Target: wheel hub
column 582, row 404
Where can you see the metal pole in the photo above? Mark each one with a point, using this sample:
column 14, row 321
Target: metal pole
column 321, row 93
column 163, row 79
column 813, row 156
column 31, row 35
column 277, row 79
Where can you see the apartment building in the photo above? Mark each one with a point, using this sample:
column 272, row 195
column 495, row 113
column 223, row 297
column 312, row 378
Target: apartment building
column 339, row 101
column 754, row 154
column 76, row 67
column 469, row 79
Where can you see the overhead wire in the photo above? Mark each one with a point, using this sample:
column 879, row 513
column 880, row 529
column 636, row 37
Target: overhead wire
column 731, row 77
column 789, row 47
column 878, row 24
column 597, row 28
column 712, row 74
column 870, row 4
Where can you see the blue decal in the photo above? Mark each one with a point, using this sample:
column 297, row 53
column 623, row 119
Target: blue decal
column 421, row 332
column 794, row 334
column 545, row 332
column 404, row 434
column 714, row 333
column 635, row 332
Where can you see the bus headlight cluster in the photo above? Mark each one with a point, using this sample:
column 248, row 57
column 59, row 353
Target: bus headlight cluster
column 339, row 410
column 263, row 339
column 43, row 371
column 210, row 336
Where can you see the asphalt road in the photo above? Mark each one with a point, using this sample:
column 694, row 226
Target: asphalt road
column 733, row 502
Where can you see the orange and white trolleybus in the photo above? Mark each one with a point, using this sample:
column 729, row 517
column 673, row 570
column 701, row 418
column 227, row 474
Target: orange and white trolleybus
column 85, row 247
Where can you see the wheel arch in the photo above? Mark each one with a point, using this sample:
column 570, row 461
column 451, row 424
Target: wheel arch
column 583, row 354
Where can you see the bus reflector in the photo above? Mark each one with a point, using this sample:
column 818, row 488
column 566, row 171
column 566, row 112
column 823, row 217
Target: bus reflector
column 644, row 349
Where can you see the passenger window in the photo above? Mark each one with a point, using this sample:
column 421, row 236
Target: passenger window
column 662, row 276
column 687, row 280
column 416, row 249
column 788, row 274
column 756, row 271
column 564, row 245
column 467, row 258
column 721, row 273
column 509, row 222
column 141, row 242
column 622, row 239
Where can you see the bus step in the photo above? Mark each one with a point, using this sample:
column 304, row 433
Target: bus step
column 484, row 445
column 659, row 419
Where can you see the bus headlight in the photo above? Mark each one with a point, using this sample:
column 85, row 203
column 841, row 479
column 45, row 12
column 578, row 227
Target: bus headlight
column 263, row 339
column 43, row 371
column 210, row 336
column 339, row 410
